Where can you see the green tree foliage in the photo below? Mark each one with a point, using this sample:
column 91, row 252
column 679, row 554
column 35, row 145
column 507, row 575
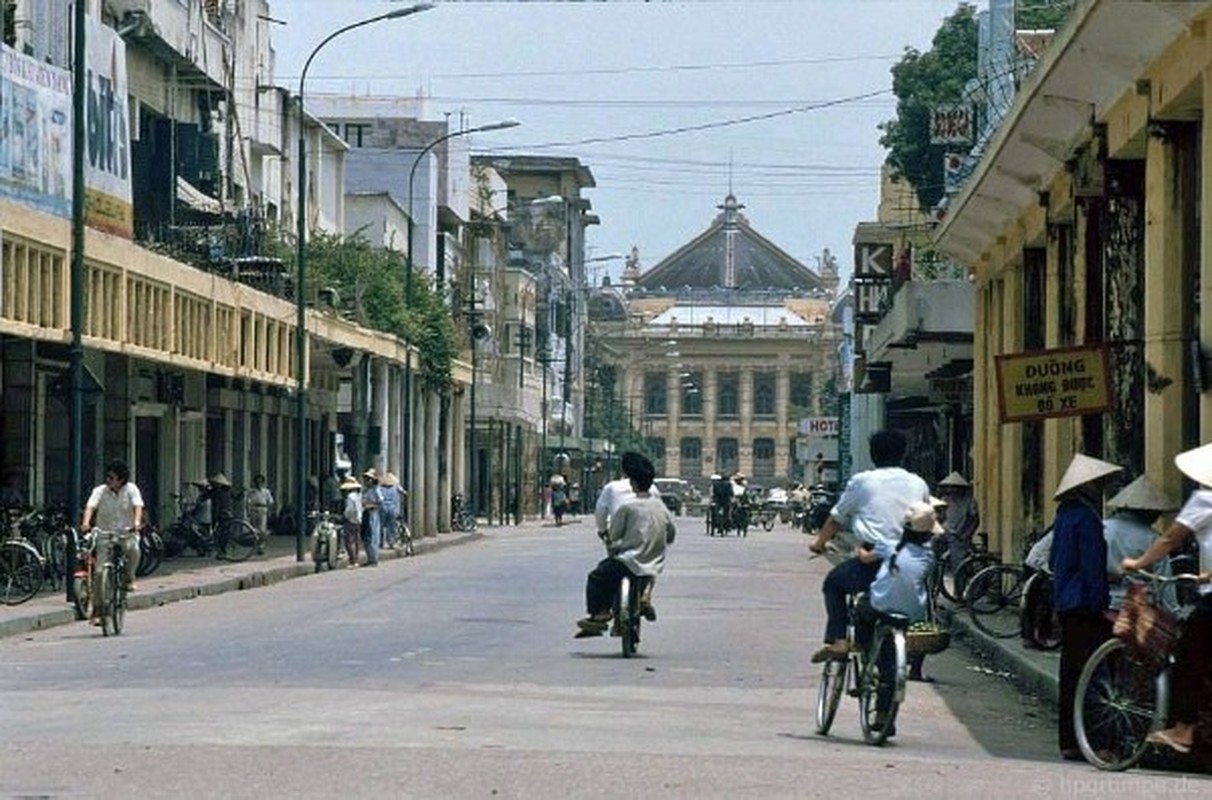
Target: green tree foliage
column 370, row 286
column 922, row 81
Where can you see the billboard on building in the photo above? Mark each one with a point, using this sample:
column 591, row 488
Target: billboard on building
column 107, row 178
column 35, row 133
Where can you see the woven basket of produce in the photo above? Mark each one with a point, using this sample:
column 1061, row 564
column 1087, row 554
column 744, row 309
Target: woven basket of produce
column 926, row 638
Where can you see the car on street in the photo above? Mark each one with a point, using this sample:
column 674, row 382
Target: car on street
column 674, row 493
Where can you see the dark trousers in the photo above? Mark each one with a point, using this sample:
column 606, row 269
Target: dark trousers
column 1192, row 657
column 602, row 584
column 849, row 577
column 1081, row 634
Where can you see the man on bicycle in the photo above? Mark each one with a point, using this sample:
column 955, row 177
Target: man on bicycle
column 115, row 507
column 873, row 507
column 614, row 496
column 636, row 539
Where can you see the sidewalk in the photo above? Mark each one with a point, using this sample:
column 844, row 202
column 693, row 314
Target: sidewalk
column 184, row 578
column 1034, row 671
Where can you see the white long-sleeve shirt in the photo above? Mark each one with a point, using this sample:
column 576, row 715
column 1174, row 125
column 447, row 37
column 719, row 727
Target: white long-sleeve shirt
column 612, row 497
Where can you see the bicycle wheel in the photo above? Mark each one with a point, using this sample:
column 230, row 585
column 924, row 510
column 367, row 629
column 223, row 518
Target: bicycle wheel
column 627, row 616
column 829, row 693
column 888, row 649
column 116, row 600
column 406, row 538
column 768, row 522
column 151, row 551
column 20, row 572
column 966, row 571
column 994, row 597
column 1116, row 707
column 54, row 550
column 81, row 593
column 239, row 540
column 108, row 595
column 1040, row 624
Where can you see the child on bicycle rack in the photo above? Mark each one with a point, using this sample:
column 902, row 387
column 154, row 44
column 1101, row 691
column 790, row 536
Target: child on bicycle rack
column 899, row 588
column 1193, row 654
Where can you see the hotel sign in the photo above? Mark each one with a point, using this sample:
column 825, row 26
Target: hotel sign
column 1053, row 383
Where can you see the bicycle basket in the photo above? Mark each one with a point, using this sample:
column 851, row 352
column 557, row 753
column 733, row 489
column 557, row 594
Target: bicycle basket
column 1149, row 630
column 926, row 639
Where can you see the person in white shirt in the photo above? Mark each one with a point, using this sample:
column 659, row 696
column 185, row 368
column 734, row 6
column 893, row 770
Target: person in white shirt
column 1194, row 651
column 115, row 508
column 872, row 507
column 636, row 539
column 614, row 496
column 257, row 501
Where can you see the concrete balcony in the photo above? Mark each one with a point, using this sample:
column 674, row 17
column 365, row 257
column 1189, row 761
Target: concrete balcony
column 928, row 327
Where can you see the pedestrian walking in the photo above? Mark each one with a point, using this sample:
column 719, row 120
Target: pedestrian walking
column 351, row 513
column 257, row 501
column 372, row 529
column 389, row 508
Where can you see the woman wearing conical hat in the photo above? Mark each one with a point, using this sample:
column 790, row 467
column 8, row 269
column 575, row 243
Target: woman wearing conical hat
column 1129, row 530
column 961, row 518
column 1193, row 655
column 1079, row 579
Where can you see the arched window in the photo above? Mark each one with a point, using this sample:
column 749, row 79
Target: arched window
column 763, row 395
column 654, row 395
column 728, row 397
column 763, row 458
column 726, row 460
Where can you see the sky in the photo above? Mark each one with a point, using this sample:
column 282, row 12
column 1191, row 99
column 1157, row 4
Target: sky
column 670, row 103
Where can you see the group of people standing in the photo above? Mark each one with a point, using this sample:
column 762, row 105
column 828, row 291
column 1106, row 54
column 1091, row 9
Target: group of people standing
column 371, row 512
column 1088, row 553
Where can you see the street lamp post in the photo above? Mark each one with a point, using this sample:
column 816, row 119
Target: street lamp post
column 408, row 294
column 301, row 456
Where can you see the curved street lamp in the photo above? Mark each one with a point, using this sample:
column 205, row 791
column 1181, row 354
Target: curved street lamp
column 301, row 273
column 408, row 295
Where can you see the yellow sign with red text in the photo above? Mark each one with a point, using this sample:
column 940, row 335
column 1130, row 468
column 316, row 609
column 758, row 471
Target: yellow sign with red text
column 1053, row 383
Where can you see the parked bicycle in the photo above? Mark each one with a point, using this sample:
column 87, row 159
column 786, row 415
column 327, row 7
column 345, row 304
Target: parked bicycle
column 233, row 539
column 32, row 554
column 1124, row 694
column 461, row 517
column 875, row 674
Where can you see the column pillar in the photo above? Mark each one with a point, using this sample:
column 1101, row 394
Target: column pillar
column 710, row 410
column 1164, row 312
column 745, row 407
column 433, row 498
column 1205, row 265
column 784, row 439
column 673, row 414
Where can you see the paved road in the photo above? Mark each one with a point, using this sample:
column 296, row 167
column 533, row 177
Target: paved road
column 456, row 675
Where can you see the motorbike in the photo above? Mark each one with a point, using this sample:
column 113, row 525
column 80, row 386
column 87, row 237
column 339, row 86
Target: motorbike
column 820, row 503
column 325, row 539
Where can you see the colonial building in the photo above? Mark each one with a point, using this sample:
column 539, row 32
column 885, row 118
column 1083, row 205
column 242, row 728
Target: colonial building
column 1085, row 225
column 715, row 354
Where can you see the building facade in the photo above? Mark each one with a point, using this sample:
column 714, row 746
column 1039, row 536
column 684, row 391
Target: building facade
column 1085, row 227
column 714, row 355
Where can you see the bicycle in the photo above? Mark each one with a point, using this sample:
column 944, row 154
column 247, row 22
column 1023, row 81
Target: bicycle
column 107, row 579
column 1124, row 695
column 1038, row 620
column 867, row 673
column 994, row 598
column 627, row 612
column 234, row 539
column 461, row 518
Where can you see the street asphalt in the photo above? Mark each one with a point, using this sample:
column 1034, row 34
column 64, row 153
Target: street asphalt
column 185, row 578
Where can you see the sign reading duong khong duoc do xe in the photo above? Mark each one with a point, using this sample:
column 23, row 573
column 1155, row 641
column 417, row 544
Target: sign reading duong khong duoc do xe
column 1053, row 383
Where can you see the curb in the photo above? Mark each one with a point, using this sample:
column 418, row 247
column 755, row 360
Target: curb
column 1035, row 672
column 259, row 575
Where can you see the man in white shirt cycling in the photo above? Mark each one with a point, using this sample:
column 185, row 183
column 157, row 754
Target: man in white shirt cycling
column 115, row 508
column 872, row 507
column 614, row 496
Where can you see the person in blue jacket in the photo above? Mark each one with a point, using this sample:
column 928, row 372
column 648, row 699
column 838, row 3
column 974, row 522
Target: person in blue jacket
column 1080, row 590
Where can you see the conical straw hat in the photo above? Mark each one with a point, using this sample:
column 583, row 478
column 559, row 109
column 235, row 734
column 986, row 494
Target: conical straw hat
column 954, row 479
column 1082, row 470
column 349, row 484
column 1141, row 494
column 1196, row 464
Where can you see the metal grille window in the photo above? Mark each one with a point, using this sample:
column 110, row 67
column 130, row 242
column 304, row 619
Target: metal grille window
column 763, row 395
column 726, row 456
column 728, row 397
column 763, row 458
column 654, row 394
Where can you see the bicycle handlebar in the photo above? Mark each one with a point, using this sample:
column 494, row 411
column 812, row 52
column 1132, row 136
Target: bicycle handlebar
column 1143, row 575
